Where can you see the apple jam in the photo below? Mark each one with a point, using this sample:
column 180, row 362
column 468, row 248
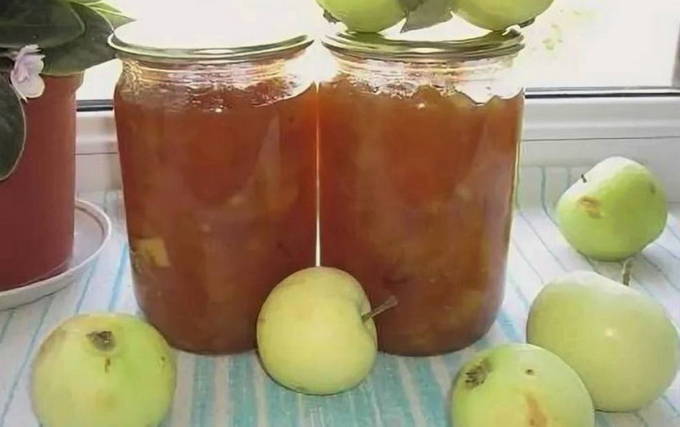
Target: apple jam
column 416, row 188
column 219, row 175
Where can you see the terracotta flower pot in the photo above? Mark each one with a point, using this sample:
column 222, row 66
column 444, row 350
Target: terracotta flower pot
column 37, row 200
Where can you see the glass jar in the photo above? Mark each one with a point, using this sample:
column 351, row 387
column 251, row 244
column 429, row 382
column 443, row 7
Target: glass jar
column 418, row 153
column 218, row 157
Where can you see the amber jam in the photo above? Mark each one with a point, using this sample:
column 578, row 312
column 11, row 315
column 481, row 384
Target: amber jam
column 218, row 165
column 416, row 198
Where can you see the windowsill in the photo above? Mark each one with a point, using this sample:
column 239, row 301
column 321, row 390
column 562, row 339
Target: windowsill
column 559, row 131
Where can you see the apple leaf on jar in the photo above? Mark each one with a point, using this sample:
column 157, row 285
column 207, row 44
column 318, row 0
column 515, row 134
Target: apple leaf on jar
column 89, row 49
column 12, row 129
column 46, row 23
column 425, row 13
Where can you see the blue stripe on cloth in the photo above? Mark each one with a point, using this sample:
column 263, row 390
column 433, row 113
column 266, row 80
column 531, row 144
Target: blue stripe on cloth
column 389, row 392
column 522, row 255
column 667, row 251
column 641, row 419
column 242, row 390
column 281, row 404
column 517, row 289
column 86, row 287
column 508, row 328
column 6, row 325
column 203, row 393
column 334, row 410
column 661, row 272
column 363, row 400
column 122, row 263
column 671, row 405
column 24, row 362
column 601, row 420
column 433, row 403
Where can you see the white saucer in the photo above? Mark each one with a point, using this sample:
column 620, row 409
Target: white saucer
column 92, row 231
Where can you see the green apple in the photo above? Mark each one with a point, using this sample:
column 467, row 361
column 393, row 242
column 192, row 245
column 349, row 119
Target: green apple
column 620, row 341
column 364, row 15
column 614, row 211
column 104, row 370
column 519, row 385
column 499, row 14
column 315, row 332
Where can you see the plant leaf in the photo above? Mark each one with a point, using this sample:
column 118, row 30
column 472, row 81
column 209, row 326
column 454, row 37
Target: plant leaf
column 86, row 2
column 115, row 17
column 46, row 23
column 427, row 14
column 97, row 4
column 12, row 129
column 6, row 64
column 84, row 52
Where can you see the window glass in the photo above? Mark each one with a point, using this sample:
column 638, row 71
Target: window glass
column 576, row 44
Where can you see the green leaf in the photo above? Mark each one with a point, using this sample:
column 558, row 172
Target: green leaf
column 427, row 14
column 12, row 129
column 46, row 23
column 86, row 2
column 115, row 17
column 6, row 64
column 97, row 4
column 89, row 49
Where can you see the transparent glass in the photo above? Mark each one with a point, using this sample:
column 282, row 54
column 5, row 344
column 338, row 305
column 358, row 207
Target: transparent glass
column 218, row 162
column 417, row 171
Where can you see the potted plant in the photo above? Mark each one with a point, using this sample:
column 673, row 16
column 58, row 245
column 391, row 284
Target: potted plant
column 45, row 45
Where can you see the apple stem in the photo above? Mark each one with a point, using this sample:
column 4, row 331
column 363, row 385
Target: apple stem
column 389, row 303
column 627, row 271
column 102, row 340
column 583, row 177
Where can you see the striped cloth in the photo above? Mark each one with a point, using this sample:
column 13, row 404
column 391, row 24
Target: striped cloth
column 234, row 391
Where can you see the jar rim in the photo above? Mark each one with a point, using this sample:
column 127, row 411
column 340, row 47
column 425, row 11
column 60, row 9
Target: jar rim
column 376, row 46
column 125, row 42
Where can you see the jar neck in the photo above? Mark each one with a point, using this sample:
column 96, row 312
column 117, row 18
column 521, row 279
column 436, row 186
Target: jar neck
column 243, row 73
column 459, row 69
column 479, row 78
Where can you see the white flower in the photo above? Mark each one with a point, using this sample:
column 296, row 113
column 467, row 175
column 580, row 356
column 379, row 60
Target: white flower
column 25, row 76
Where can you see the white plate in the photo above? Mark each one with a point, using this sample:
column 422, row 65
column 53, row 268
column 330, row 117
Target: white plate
column 92, row 231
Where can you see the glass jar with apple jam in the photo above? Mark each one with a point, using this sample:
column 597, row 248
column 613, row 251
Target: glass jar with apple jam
column 418, row 149
column 218, row 155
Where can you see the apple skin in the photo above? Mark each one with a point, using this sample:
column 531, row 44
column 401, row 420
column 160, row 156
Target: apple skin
column 76, row 384
column 619, row 210
column 310, row 334
column 366, row 16
column 498, row 15
column 620, row 342
column 521, row 386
